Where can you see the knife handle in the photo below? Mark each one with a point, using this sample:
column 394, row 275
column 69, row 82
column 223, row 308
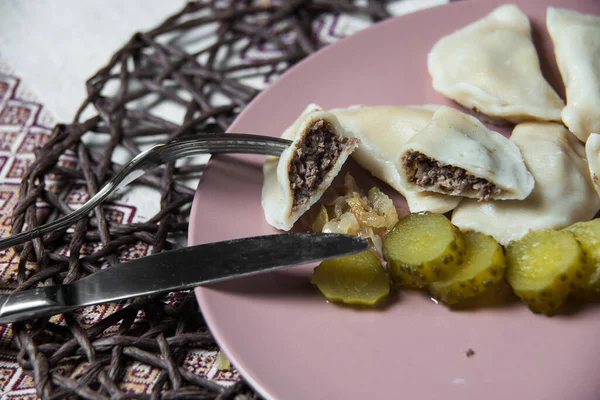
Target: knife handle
column 34, row 303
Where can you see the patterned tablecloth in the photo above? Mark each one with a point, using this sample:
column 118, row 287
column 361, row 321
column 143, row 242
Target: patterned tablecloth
column 25, row 125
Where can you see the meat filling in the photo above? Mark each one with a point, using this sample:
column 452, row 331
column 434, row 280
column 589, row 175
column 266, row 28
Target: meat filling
column 314, row 158
column 427, row 172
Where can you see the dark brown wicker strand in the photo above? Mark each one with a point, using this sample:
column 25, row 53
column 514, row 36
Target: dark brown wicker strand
column 157, row 332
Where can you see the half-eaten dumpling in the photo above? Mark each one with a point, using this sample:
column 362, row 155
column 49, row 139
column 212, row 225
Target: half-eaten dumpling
column 491, row 66
column 457, row 155
column 576, row 40
column 297, row 179
column 592, row 151
column 382, row 130
column 563, row 192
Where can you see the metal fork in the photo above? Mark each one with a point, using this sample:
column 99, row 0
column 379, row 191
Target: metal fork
column 155, row 156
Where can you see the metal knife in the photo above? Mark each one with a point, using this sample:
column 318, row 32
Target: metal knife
column 179, row 269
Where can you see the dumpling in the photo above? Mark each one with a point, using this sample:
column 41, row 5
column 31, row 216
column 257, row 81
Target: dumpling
column 491, row 66
column 457, row 155
column 592, row 151
column 296, row 180
column 576, row 40
column 563, row 192
column 382, row 130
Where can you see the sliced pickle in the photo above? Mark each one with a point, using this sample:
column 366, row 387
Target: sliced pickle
column 544, row 267
column 588, row 235
column 482, row 268
column 357, row 279
column 423, row 248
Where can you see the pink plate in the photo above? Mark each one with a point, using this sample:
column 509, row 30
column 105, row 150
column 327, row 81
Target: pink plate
column 291, row 344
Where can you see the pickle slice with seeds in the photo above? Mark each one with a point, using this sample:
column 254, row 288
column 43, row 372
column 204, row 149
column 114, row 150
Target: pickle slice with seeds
column 482, row 268
column 423, row 248
column 357, row 279
column 544, row 267
column 588, row 235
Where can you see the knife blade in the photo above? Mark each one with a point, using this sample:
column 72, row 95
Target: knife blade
column 179, row 269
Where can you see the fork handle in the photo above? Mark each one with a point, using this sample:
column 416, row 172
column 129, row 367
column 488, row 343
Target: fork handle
column 155, row 156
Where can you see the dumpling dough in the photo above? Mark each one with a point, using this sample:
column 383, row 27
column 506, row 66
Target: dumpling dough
column 456, row 154
column 491, row 66
column 576, row 40
column 563, row 192
column 297, row 179
column 382, row 130
column 592, row 151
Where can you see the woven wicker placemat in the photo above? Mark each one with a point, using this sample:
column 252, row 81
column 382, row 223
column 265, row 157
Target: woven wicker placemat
column 73, row 356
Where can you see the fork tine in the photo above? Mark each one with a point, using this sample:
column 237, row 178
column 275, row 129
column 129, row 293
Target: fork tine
column 179, row 150
column 185, row 146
